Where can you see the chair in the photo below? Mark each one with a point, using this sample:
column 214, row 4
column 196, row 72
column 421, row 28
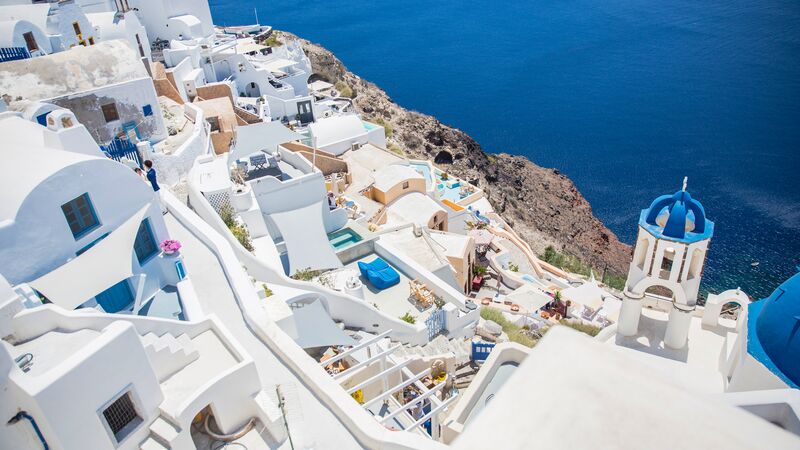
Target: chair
column 258, row 161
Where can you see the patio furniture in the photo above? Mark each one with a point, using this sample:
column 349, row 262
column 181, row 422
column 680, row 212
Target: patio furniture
column 515, row 308
column 422, row 293
column 486, row 301
column 258, row 161
column 379, row 273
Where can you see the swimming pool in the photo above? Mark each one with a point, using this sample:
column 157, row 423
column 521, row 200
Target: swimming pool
column 424, row 169
column 369, row 126
column 343, row 238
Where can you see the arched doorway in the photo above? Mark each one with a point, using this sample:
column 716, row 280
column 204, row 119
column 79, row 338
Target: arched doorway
column 252, row 90
column 730, row 310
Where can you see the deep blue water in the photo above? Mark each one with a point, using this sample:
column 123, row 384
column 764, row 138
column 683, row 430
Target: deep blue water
column 625, row 97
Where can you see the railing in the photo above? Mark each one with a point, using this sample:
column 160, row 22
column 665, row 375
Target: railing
column 435, row 323
column 13, row 53
column 122, row 148
column 480, row 351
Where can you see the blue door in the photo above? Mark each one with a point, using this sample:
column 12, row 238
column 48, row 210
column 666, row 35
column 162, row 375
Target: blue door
column 116, row 298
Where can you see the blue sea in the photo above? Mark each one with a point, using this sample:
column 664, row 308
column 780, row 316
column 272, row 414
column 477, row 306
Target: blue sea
column 625, row 97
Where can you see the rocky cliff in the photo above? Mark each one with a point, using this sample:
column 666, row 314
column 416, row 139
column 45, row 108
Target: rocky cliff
column 543, row 205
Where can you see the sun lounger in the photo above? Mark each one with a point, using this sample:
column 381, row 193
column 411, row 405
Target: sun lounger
column 379, row 273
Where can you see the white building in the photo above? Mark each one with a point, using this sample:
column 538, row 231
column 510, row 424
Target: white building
column 44, row 28
column 58, row 206
column 106, row 85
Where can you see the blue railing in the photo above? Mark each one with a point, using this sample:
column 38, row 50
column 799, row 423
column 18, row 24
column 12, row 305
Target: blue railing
column 122, row 148
column 13, row 53
column 435, row 323
column 481, row 350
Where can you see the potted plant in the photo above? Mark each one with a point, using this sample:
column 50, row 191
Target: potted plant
column 170, row 246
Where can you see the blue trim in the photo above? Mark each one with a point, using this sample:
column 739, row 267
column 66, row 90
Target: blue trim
column 151, row 252
column 147, row 110
column 85, row 229
column 180, row 269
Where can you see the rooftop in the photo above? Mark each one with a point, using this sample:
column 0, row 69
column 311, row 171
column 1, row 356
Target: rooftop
column 80, row 69
column 694, row 367
column 389, row 176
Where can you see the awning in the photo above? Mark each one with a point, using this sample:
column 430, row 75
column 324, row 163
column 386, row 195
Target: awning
column 588, row 294
column 261, row 136
column 105, row 264
column 529, row 298
column 306, row 241
column 311, row 326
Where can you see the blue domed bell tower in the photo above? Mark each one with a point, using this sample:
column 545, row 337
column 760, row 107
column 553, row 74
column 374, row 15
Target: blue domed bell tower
column 668, row 260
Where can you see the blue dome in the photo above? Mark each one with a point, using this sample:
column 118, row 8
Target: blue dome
column 677, row 217
column 773, row 331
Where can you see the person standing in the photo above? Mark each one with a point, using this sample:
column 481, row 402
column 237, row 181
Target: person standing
column 151, row 175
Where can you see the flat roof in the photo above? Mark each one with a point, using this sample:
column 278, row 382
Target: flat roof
column 80, row 69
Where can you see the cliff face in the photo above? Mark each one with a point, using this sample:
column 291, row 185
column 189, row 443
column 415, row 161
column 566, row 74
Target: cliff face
column 543, row 205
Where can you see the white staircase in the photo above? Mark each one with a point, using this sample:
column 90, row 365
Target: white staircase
column 168, row 354
column 163, row 435
column 440, row 345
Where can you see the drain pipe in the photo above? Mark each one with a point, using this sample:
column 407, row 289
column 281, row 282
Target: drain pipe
column 24, row 415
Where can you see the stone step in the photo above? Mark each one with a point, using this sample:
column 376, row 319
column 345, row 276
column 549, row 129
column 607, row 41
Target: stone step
column 151, row 444
column 164, row 432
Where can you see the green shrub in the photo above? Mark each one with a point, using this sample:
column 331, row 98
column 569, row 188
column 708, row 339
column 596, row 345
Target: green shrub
column 267, row 290
column 344, row 89
column 407, row 317
column 305, row 274
column 591, row 330
column 394, row 148
column 479, row 270
column 272, row 40
column 439, row 302
column 513, row 267
column 240, row 232
column 389, row 130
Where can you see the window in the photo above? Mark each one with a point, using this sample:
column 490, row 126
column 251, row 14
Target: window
column 77, row 28
column 30, row 41
column 147, row 110
column 110, row 112
column 214, row 122
column 80, row 215
column 145, row 244
column 405, row 184
column 121, row 417
column 91, row 41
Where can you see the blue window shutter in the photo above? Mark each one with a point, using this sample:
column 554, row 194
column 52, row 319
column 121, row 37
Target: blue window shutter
column 80, row 215
column 148, row 110
column 145, row 244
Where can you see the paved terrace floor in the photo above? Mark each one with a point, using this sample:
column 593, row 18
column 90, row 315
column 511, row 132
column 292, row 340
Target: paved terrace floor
column 696, row 366
column 394, row 301
column 311, row 424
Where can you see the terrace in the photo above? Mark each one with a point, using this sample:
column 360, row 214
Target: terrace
column 394, row 301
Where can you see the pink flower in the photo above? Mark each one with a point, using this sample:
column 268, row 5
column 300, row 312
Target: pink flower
column 170, row 246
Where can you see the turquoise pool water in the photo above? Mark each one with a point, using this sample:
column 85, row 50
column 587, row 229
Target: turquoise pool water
column 344, row 237
column 369, row 126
